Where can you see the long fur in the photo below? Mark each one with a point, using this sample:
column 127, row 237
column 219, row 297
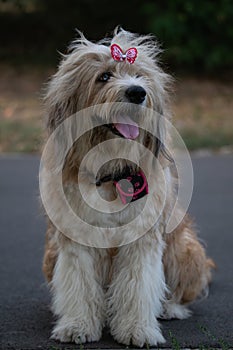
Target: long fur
column 128, row 287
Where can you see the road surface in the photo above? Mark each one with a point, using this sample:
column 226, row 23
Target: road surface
column 25, row 317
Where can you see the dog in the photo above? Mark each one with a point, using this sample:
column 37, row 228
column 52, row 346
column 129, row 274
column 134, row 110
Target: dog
column 129, row 277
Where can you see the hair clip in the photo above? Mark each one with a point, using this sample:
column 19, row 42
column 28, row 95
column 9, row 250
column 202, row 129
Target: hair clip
column 118, row 55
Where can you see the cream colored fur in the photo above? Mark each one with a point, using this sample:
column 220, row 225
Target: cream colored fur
column 130, row 287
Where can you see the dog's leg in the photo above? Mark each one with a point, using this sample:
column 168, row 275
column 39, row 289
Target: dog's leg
column 187, row 270
column 78, row 297
column 51, row 251
column 136, row 292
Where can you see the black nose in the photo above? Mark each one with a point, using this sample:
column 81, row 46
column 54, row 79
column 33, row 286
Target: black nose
column 135, row 94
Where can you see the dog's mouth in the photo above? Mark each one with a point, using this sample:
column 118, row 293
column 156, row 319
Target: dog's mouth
column 124, row 127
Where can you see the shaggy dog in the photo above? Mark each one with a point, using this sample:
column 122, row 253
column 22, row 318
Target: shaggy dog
column 135, row 273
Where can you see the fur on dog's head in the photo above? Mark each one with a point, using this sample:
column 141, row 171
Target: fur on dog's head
column 88, row 76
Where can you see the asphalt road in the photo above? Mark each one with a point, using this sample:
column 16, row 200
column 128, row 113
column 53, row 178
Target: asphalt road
column 25, row 318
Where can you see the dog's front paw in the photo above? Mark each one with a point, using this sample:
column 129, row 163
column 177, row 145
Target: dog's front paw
column 77, row 331
column 138, row 335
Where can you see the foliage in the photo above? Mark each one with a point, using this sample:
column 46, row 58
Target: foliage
column 197, row 35
column 35, row 30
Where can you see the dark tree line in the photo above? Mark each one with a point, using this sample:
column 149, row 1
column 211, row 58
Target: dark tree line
column 196, row 35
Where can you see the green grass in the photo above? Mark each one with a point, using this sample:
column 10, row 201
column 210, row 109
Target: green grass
column 213, row 139
column 202, row 110
column 19, row 136
column 209, row 335
column 175, row 343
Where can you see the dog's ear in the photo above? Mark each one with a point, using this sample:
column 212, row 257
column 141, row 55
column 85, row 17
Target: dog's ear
column 61, row 99
column 157, row 142
column 161, row 139
column 57, row 112
column 61, row 96
column 161, row 149
column 54, row 117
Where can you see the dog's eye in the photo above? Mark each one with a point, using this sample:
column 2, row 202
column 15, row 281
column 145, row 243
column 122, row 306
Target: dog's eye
column 105, row 77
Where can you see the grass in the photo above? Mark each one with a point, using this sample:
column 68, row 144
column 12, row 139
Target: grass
column 213, row 139
column 202, row 110
column 175, row 343
column 203, row 113
column 206, row 331
column 18, row 136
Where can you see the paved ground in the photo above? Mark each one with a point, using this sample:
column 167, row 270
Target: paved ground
column 25, row 319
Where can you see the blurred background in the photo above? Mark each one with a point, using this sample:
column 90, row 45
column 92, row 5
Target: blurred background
column 196, row 37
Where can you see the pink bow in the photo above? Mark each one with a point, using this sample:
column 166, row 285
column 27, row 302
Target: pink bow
column 118, row 55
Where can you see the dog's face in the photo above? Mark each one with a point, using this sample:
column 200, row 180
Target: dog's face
column 89, row 76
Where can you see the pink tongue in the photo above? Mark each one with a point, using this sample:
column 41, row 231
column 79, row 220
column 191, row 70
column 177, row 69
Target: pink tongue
column 127, row 127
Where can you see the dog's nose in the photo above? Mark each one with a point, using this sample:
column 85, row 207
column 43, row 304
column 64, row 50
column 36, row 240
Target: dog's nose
column 135, row 94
